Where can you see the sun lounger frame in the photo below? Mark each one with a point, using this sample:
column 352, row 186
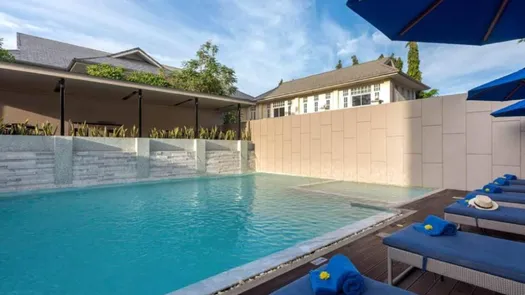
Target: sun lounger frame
column 460, row 273
column 486, row 224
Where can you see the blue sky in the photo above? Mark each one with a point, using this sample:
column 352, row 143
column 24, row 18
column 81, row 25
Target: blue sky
column 263, row 41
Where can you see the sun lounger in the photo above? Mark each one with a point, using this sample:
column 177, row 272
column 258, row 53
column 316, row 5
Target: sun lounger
column 506, row 186
column 510, row 199
column 302, row 287
column 487, row 262
column 505, row 219
column 513, row 180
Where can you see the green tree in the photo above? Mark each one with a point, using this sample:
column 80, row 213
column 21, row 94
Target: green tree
column 106, row 71
column 5, row 55
column 381, row 56
column 413, row 61
column 398, row 61
column 205, row 74
column 229, row 117
column 339, row 65
column 521, row 41
column 281, row 82
column 148, row 79
column 428, row 93
column 355, row 61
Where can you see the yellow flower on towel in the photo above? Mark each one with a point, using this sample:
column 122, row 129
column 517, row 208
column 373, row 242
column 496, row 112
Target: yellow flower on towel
column 324, row 275
column 428, row 227
column 487, row 190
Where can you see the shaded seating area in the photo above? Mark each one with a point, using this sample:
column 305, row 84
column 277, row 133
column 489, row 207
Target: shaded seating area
column 40, row 94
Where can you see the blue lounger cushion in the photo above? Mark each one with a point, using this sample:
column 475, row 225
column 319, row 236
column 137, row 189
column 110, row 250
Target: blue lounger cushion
column 514, row 180
column 517, row 182
column 492, row 187
column 502, row 258
column 510, row 197
column 513, row 188
column 302, row 287
column 502, row 214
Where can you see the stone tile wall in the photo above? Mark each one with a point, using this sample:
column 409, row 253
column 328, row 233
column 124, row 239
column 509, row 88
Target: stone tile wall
column 26, row 170
column 35, row 162
column 172, row 164
column 99, row 167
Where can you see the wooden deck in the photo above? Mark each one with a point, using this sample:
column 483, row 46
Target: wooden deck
column 369, row 255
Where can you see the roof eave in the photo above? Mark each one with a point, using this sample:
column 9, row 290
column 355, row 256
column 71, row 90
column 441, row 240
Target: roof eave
column 83, row 77
column 300, row 93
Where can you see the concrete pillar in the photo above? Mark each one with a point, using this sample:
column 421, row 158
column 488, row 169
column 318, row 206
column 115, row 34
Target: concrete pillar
column 200, row 155
column 242, row 148
column 63, row 148
column 142, row 150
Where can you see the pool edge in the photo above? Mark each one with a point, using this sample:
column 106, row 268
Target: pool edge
column 233, row 280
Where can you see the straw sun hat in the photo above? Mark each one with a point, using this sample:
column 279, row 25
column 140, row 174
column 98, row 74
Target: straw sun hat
column 483, row 203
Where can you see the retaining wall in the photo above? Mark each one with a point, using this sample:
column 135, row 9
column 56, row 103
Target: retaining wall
column 36, row 162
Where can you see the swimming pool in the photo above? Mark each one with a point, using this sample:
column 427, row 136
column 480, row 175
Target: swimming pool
column 157, row 238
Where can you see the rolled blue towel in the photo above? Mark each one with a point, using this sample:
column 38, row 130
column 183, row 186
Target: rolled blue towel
column 501, row 181
column 435, row 226
column 320, row 286
column 348, row 279
column 510, row 177
column 492, row 188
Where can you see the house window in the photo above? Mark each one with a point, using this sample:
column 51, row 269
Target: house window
column 327, row 99
column 305, row 105
column 361, row 95
column 316, row 103
column 289, row 105
column 278, row 109
column 376, row 96
column 345, row 98
column 268, row 111
column 377, row 87
column 252, row 113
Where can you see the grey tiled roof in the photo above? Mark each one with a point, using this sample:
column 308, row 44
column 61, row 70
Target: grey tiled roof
column 345, row 75
column 242, row 95
column 51, row 53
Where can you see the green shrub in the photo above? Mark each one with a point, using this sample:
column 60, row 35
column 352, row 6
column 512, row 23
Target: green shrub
column 148, row 79
column 106, row 71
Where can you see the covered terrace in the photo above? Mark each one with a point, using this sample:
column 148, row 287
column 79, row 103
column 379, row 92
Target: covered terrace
column 40, row 94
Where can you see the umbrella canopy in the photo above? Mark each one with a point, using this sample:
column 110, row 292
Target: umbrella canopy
column 510, row 87
column 472, row 22
column 514, row 110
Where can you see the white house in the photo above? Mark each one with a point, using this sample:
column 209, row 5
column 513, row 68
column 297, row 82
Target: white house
column 373, row 82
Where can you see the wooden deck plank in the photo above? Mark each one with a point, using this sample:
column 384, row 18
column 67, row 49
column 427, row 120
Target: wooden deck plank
column 369, row 255
column 424, row 284
column 462, row 289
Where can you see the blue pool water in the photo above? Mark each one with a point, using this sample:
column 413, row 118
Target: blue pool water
column 156, row 238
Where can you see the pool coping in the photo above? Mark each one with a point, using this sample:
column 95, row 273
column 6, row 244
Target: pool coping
column 232, row 278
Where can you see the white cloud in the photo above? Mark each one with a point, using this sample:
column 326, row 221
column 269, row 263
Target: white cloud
column 263, row 41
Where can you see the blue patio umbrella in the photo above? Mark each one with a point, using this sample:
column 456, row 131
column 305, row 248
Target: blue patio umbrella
column 510, row 87
column 472, row 22
column 514, row 110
